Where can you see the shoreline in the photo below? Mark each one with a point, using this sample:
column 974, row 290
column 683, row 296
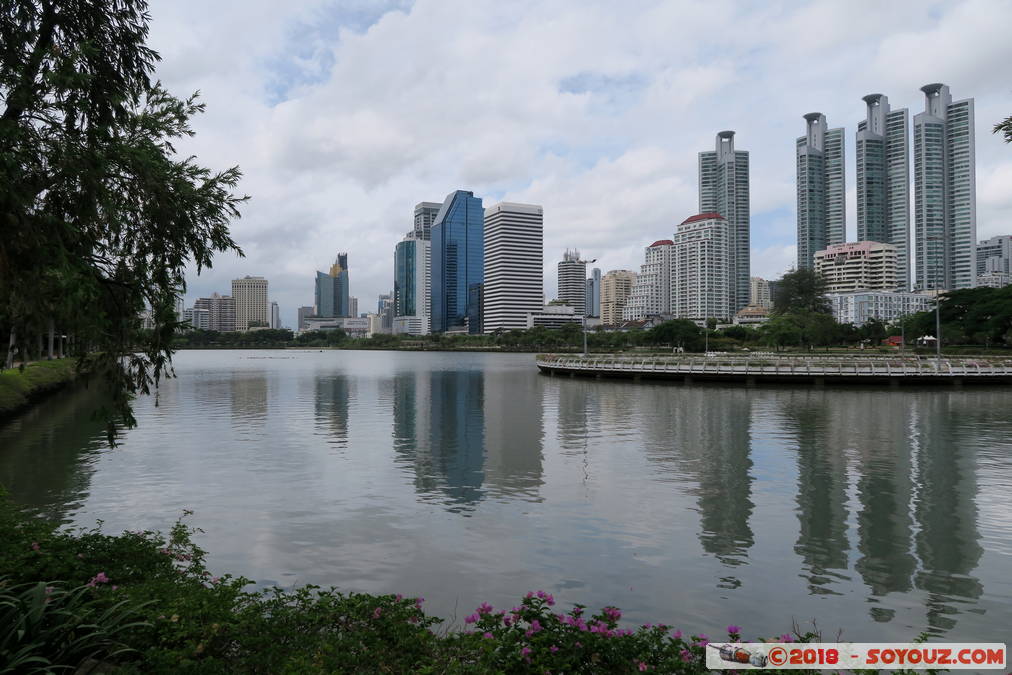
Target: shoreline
column 20, row 389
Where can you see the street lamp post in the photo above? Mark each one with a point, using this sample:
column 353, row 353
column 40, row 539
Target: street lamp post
column 584, row 326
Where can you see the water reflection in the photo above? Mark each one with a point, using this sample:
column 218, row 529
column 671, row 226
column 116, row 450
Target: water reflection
column 514, row 432
column 332, row 401
column 822, row 489
column 947, row 540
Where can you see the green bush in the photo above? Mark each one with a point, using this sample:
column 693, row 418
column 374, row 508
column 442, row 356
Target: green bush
column 146, row 603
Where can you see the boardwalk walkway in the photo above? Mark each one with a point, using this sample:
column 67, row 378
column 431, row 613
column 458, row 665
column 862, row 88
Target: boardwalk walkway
column 776, row 368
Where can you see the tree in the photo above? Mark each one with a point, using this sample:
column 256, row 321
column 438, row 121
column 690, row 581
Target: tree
column 801, row 291
column 677, row 333
column 99, row 215
column 1005, row 127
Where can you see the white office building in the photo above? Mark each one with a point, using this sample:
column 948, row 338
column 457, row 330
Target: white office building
column 857, row 266
column 651, row 292
column 862, row 306
column 412, row 279
column 724, row 190
column 514, row 282
column 573, row 281
column 701, row 266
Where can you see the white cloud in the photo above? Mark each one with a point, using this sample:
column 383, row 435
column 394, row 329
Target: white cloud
column 344, row 115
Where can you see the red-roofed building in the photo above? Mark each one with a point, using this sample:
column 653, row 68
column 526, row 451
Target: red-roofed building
column 703, row 216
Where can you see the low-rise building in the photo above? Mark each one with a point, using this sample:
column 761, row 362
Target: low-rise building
column 858, row 266
column 554, row 316
column 752, row 315
column 859, row 307
column 994, row 279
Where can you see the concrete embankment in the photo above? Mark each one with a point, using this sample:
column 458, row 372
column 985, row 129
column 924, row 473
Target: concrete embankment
column 776, row 368
column 19, row 388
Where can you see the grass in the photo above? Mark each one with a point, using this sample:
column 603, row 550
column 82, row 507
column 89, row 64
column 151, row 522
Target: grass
column 18, row 387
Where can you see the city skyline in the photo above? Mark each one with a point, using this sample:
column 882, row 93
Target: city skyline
column 592, row 139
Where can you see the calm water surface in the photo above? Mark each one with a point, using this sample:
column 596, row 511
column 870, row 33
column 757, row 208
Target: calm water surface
column 470, row 477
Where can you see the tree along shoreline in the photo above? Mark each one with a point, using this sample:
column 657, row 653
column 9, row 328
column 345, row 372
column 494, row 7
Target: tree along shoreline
column 145, row 602
column 22, row 388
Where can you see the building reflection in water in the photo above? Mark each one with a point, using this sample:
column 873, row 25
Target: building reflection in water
column 466, row 435
column 332, row 401
column 709, row 440
column 248, row 393
column 822, row 487
column 947, row 540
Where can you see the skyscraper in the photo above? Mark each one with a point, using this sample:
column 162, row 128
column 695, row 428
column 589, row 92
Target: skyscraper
column 425, row 215
column 616, row 286
column 700, row 268
column 412, row 271
column 457, row 258
column 945, row 192
column 724, row 189
column 651, row 294
column 573, row 282
column 275, row 315
column 251, row 309
column 822, row 218
column 594, row 293
column 883, row 181
column 332, row 290
column 994, row 255
column 514, row 265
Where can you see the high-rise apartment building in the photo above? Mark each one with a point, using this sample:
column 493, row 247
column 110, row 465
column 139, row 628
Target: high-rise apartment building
column 724, row 189
column 700, row 268
column 275, row 315
column 994, row 255
column 593, row 297
column 251, row 308
column 822, row 213
column 883, row 180
column 651, row 294
column 332, row 299
column 198, row 318
column 514, row 265
column 425, row 215
column 220, row 312
column 353, row 307
column 304, row 313
column 945, row 192
column 573, row 282
column 759, row 293
column 412, row 273
column 860, row 266
column 616, row 286
column 457, row 258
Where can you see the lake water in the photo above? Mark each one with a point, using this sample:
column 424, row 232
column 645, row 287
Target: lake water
column 469, row 477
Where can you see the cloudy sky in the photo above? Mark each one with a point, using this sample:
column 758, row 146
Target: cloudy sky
column 343, row 115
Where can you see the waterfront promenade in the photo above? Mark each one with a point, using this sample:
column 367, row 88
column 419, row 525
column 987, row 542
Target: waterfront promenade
column 756, row 368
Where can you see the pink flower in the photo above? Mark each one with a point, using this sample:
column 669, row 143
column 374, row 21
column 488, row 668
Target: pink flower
column 418, row 602
column 99, row 578
column 612, row 613
column 578, row 644
column 35, row 546
column 677, row 634
column 530, row 594
column 376, row 612
column 488, row 636
column 484, row 608
column 550, row 599
column 786, row 638
column 734, row 630
column 525, row 651
column 115, row 587
column 642, row 666
column 686, row 655
column 553, row 649
column 398, row 597
column 508, row 620
column 470, row 618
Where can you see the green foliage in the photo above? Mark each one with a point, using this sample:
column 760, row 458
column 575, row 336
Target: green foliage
column 146, row 603
column 678, row 333
column 100, row 216
column 980, row 316
column 44, row 627
column 801, row 291
column 19, row 385
column 1005, row 128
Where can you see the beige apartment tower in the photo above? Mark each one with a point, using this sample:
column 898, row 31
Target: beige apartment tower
column 251, row 306
column 616, row 286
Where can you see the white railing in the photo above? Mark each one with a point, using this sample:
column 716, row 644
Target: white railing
column 807, row 366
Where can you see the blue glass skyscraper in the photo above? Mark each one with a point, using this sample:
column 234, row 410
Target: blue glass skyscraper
column 332, row 290
column 457, row 258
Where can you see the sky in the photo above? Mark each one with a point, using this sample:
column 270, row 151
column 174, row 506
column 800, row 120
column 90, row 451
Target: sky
column 344, row 115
